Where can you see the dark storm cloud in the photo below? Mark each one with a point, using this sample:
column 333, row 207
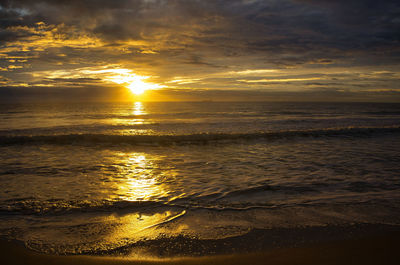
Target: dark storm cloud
column 268, row 27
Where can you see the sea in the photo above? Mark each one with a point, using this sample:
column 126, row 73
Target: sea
column 195, row 178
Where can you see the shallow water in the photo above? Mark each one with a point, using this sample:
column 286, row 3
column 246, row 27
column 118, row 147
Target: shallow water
column 97, row 177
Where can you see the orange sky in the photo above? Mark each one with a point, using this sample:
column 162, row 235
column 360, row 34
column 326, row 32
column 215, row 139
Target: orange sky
column 200, row 50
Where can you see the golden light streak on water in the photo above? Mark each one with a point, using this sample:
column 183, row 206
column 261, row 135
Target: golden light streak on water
column 140, row 180
column 138, row 109
column 133, row 116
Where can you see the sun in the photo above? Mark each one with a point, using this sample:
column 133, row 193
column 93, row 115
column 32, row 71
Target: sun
column 128, row 79
column 138, row 87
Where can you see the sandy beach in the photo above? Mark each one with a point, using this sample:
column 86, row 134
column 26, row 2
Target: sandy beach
column 371, row 250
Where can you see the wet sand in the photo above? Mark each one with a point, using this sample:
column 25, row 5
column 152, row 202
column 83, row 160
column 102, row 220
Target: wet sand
column 382, row 249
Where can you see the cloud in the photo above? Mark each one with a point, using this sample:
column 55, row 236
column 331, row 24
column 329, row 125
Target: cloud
column 278, row 80
column 208, row 44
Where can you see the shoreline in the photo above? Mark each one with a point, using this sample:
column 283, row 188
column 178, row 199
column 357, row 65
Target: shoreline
column 377, row 249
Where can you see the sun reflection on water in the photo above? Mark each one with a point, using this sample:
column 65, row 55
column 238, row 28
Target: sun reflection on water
column 140, row 179
column 138, row 109
column 136, row 115
column 132, row 118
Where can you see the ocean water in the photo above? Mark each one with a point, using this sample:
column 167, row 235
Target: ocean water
column 122, row 178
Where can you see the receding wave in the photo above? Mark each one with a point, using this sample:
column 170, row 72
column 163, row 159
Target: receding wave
column 61, row 207
column 34, row 207
column 267, row 188
column 201, row 138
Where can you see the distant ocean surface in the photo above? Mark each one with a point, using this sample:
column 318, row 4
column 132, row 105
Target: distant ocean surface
column 104, row 178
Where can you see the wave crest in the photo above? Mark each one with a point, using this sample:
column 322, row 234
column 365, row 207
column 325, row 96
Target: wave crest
column 201, row 138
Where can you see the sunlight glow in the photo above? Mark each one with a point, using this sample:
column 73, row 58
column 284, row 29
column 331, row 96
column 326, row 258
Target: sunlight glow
column 132, row 81
column 127, row 78
column 137, row 86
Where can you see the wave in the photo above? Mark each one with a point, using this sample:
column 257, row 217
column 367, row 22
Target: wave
column 383, row 113
column 31, row 206
column 267, row 188
column 61, row 207
column 247, row 198
column 201, row 138
column 215, row 202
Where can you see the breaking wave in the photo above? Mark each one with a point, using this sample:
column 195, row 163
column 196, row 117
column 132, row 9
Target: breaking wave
column 201, row 138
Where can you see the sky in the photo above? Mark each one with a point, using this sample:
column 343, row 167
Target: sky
column 279, row 50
